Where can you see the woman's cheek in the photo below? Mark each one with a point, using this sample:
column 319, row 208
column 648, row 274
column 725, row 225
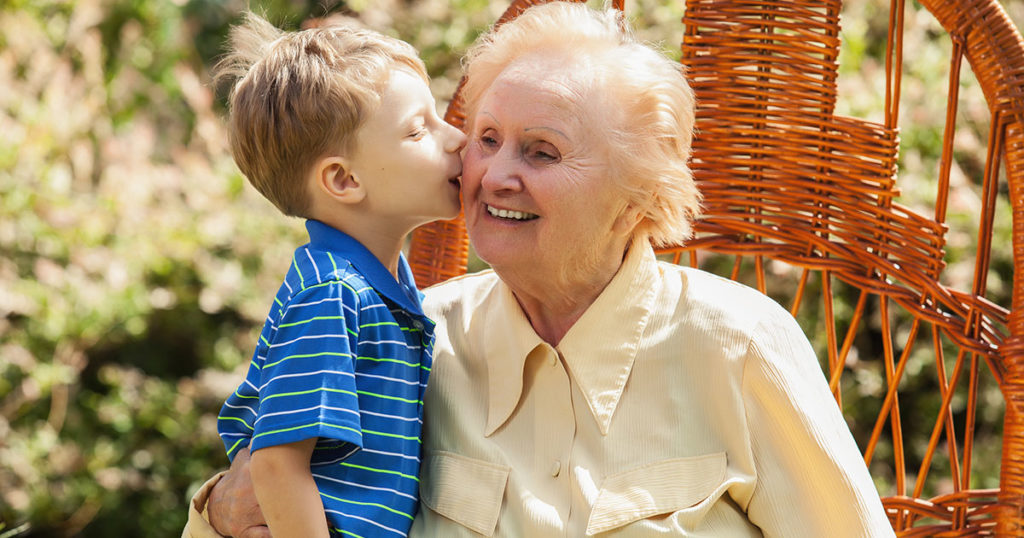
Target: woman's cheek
column 472, row 169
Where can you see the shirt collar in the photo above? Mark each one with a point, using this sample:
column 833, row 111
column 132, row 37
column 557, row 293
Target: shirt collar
column 599, row 349
column 402, row 291
column 508, row 340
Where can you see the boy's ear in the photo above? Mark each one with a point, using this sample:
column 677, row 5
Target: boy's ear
column 334, row 177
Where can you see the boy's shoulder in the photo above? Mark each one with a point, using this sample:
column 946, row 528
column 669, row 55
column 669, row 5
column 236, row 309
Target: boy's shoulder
column 314, row 271
column 334, row 264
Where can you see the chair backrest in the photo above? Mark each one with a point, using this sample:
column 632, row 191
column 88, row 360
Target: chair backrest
column 801, row 203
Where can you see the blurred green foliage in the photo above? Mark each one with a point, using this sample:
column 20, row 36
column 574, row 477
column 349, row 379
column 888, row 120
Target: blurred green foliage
column 136, row 264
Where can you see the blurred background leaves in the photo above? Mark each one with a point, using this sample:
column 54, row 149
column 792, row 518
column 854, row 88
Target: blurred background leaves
column 136, row 264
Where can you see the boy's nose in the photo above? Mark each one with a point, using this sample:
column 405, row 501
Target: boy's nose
column 456, row 140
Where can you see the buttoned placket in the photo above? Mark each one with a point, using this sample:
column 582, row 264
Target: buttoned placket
column 553, row 390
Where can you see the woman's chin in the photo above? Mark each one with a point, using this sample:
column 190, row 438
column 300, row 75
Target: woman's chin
column 503, row 242
column 503, row 254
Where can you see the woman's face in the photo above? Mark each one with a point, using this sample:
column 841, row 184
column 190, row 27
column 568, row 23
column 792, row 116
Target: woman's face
column 536, row 190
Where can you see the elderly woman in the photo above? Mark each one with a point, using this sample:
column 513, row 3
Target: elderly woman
column 582, row 387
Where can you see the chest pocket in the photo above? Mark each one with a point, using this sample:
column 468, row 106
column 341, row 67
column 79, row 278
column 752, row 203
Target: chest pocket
column 660, row 488
column 465, row 490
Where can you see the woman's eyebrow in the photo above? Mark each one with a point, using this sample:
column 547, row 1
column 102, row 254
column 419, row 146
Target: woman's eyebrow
column 552, row 129
column 489, row 115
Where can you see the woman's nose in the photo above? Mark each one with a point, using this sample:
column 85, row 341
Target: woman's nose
column 502, row 174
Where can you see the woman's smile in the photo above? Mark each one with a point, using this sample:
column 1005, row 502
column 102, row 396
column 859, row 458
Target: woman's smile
column 509, row 214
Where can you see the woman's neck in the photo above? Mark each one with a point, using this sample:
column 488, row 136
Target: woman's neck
column 554, row 303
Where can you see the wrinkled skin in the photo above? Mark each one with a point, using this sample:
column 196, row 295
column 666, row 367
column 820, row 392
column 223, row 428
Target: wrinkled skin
column 232, row 505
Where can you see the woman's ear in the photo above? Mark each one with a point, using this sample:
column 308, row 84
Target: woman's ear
column 334, row 177
column 628, row 220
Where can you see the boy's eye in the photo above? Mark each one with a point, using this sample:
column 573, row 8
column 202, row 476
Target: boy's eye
column 418, row 132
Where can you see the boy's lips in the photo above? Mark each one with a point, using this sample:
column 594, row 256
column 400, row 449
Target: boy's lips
column 456, row 178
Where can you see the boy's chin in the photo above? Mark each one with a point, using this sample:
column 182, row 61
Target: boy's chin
column 446, row 215
column 451, row 215
column 453, row 210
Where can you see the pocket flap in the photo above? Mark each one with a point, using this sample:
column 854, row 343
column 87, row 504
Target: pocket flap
column 658, row 488
column 465, row 490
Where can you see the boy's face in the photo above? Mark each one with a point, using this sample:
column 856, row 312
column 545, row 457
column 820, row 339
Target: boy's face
column 407, row 157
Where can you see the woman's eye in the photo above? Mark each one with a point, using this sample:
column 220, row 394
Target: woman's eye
column 488, row 140
column 544, row 153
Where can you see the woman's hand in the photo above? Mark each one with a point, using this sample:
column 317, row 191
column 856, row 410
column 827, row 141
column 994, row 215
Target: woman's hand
column 232, row 506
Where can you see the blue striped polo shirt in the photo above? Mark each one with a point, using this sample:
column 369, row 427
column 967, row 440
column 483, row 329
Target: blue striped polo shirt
column 344, row 356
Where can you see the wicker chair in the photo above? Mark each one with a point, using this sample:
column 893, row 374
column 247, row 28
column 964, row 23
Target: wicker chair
column 788, row 183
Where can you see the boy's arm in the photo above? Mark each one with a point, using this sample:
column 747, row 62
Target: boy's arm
column 286, row 490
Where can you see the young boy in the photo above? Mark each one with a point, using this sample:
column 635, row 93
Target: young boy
column 338, row 126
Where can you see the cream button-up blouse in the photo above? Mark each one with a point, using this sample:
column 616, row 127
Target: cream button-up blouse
column 680, row 404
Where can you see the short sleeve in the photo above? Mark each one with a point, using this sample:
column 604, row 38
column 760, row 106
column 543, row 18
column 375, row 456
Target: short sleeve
column 811, row 477
column 307, row 379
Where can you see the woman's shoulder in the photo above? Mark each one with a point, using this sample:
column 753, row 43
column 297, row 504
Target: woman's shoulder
column 710, row 297
column 702, row 284
column 460, row 293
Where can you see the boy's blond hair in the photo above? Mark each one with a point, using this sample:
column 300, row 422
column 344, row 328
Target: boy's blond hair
column 299, row 96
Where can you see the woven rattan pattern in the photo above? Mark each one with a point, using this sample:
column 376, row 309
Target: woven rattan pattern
column 784, row 178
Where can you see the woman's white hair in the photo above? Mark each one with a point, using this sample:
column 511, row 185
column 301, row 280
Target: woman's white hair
column 643, row 96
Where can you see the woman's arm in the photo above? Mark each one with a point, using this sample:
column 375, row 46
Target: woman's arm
column 286, row 490
column 226, row 505
column 811, row 477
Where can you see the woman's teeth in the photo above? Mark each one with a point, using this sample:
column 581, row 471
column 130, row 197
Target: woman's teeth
column 507, row 214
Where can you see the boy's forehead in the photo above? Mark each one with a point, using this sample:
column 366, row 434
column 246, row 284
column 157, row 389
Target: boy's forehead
column 404, row 95
column 402, row 80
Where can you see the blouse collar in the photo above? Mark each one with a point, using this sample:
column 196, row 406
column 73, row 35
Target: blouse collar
column 599, row 349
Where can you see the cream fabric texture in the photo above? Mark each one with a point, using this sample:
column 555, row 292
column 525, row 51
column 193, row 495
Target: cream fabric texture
column 197, row 525
column 680, row 404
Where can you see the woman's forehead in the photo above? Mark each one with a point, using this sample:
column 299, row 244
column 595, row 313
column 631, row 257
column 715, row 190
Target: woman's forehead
column 548, row 90
column 549, row 73
column 533, row 105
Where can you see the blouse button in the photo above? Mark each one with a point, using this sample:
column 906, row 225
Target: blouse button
column 556, row 468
